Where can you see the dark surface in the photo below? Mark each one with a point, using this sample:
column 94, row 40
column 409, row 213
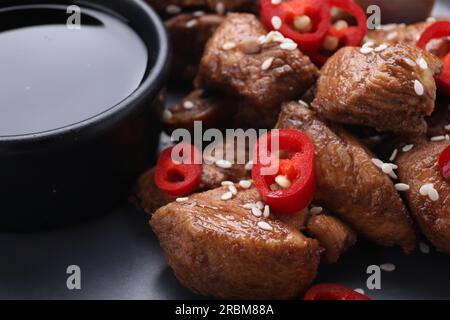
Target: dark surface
column 121, row 259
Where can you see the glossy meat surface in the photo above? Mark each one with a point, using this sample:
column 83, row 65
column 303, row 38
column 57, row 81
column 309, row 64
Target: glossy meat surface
column 378, row 89
column 216, row 248
column 408, row 34
column 234, row 58
column 212, row 109
column 349, row 184
column 334, row 236
column 417, row 168
column 189, row 35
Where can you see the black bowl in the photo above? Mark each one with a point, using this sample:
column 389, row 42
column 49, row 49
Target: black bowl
column 64, row 175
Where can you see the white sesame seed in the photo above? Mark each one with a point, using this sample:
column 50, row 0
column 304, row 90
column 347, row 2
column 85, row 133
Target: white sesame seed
column 283, row 181
column 422, row 64
column 275, row 2
column 226, row 196
column 386, row 168
column 316, row 210
column 249, row 165
column 410, row 62
column 228, row 46
column 388, row 267
column 407, row 148
column 248, row 206
column 267, row 64
column 191, row 23
column 340, row 24
column 245, row 184
column 330, row 43
column 303, row 23
column 402, row 187
column 392, row 35
column 377, row 162
column 188, row 105
column 224, row 164
column 260, row 205
column 276, row 22
column 226, row 183
column 447, row 127
column 233, row 189
column 365, row 50
column 288, row 45
column 167, row 115
column 359, row 290
column 266, row 212
column 220, row 8
column 380, row 48
column 393, row 175
column 198, row 13
column 437, row 138
column 265, row 226
column 368, row 44
column 184, row 199
column 447, row 137
column 173, row 9
column 256, row 211
column 424, row 248
column 424, row 190
column 418, row 87
column 431, row 19
column 303, row 103
column 191, row 205
column 393, row 155
column 433, row 194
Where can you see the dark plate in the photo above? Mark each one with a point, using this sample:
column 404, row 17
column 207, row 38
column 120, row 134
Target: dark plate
column 120, row 258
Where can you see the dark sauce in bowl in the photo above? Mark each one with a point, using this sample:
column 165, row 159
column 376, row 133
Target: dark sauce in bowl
column 53, row 75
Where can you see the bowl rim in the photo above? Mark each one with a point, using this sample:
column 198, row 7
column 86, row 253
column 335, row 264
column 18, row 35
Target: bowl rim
column 150, row 86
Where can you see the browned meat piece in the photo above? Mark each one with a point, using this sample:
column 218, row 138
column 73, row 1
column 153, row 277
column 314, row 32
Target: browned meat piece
column 251, row 116
column 189, row 34
column 222, row 6
column 408, row 34
column 148, row 197
column 213, row 110
column 417, row 168
column 379, row 89
column 216, row 248
column 238, row 61
column 349, row 184
column 297, row 220
column 333, row 235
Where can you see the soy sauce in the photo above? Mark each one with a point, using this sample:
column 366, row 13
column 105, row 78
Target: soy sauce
column 53, row 75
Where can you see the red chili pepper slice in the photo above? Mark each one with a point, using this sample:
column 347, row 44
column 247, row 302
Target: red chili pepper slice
column 298, row 168
column 317, row 10
column 177, row 178
column 444, row 163
column 330, row 291
column 349, row 36
column 438, row 30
